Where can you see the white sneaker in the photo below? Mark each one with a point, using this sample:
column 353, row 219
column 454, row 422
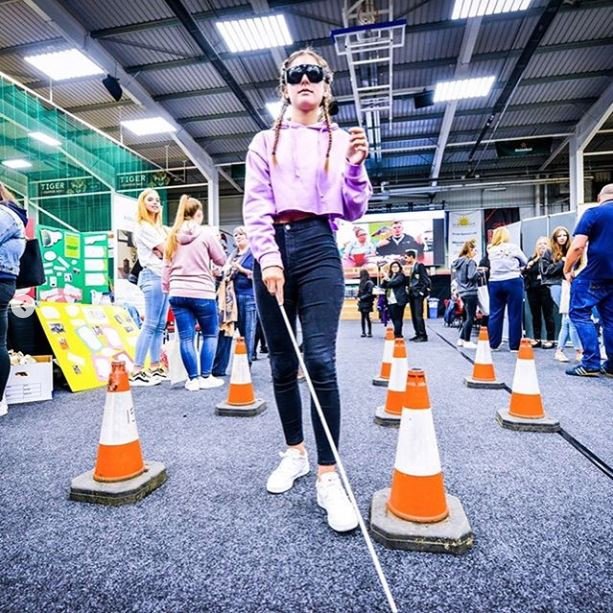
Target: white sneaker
column 4, row 408
column 331, row 496
column 559, row 356
column 192, row 385
column 469, row 345
column 210, row 382
column 293, row 465
column 460, row 343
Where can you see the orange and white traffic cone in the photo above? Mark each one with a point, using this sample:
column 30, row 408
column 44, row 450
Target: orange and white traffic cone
column 483, row 371
column 389, row 413
column 526, row 410
column 415, row 513
column 120, row 475
column 241, row 399
column 382, row 379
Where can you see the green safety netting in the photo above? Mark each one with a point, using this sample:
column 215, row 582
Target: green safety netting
column 74, row 179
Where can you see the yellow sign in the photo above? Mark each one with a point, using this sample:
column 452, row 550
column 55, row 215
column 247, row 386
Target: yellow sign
column 86, row 338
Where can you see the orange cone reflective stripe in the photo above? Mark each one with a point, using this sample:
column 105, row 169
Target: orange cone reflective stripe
column 388, row 352
column 526, row 398
column 483, row 369
column 240, row 392
column 396, row 388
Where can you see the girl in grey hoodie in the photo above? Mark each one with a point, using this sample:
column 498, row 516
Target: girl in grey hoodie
column 466, row 275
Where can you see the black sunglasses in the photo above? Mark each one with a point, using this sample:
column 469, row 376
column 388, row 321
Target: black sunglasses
column 314, row 73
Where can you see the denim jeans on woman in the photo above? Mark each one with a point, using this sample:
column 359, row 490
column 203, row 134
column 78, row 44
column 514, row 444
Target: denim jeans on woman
column 7, row 291
column 313, row 291
column 156, row 310
column 247, row 317
column 510, row 294
column 187, row 312
column 584, row 296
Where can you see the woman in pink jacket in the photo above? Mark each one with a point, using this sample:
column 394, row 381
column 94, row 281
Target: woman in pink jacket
column 301, row 176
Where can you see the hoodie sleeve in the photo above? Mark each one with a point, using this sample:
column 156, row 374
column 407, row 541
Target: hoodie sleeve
column 259, row 205
column 216, row 251
column 357, row 191
column 519, row 254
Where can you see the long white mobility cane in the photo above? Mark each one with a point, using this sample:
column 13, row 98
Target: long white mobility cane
column 341, row 468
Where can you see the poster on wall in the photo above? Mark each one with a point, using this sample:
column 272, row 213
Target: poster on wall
column 85, row 339
column 123, row 216
column 375, row 240
column 464, row 226
column 75, row 264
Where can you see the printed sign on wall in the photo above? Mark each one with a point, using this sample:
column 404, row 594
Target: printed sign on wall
column 85, row 339
column 464, row 226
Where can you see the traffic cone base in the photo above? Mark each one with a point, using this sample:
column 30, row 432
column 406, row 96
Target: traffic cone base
column 120, row 475
column 512, row 422
column 383, row 418
column 241, row 400
column 451, row 535
column 485, row 385
column 85, row 488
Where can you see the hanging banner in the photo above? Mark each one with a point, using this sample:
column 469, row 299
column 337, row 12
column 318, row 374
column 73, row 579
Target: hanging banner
column 464, row 226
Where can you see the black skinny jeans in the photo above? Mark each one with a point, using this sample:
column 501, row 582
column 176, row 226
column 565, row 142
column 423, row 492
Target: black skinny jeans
column 397, row 315
column 416, row 302
column 366, row 323
column 541, row 302
column 7, row 291
column 470, row 310
column 313, row 291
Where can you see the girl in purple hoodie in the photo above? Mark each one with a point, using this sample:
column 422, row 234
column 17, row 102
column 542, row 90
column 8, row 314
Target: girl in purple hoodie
column 301, row 176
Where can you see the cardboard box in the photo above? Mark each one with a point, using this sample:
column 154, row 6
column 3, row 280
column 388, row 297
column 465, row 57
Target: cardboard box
column 31, row 382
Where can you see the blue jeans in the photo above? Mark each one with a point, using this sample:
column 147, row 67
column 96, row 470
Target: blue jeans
column 314, row 289
column 509, row 293
column 7, row 291
column 187, row 311
column 156, row 310
column 247, row 316
column 568, row 330
column 584, row 296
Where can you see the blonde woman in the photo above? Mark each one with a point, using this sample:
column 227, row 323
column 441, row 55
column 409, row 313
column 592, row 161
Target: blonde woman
column 150, row 240
column 506, row 288
column 539, row 296
column 187, row 278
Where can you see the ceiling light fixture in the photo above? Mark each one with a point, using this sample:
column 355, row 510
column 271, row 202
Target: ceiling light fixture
column 17, row 164
column 45, row 138
column 62, row 65
column 150, row 125
column 256, row 33
column 463, row 89
column 464, row 9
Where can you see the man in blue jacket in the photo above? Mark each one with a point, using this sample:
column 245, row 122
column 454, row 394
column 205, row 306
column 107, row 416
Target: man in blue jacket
column 593, row 287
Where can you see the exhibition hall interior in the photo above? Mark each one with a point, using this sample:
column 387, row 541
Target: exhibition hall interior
column 306, row 306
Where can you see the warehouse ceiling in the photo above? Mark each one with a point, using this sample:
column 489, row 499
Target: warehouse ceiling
column 552, row 63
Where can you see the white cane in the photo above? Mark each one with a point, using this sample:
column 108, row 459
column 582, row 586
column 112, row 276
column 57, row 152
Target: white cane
column 341, row 468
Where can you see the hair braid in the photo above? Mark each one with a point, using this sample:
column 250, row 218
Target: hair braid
column 277, row 129
column 326, row 102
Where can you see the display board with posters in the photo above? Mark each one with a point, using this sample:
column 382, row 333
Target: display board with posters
column 85, row 339
column 75, row 264
column 377, row 239
column 464, row 226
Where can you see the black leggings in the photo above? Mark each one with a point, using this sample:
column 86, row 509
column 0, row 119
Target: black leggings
column 7, row 291
column 540, row 301
column 366, row 323
column 397, row 315
column 470, row 309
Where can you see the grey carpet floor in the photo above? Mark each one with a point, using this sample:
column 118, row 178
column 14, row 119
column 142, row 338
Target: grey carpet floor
column 212, row 539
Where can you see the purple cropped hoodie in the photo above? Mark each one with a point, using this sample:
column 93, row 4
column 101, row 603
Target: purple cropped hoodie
column 299, row 182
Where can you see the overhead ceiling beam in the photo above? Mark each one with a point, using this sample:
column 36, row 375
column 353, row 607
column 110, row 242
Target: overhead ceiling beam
column 245, row 10
column 594, row 117
column 469, row 40
column 322, row 42
column 416, row 116
column 177, row 7
column 74, row 32
column 531, row 49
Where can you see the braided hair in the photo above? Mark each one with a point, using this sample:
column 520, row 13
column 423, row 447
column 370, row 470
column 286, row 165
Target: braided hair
column 325, row 102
